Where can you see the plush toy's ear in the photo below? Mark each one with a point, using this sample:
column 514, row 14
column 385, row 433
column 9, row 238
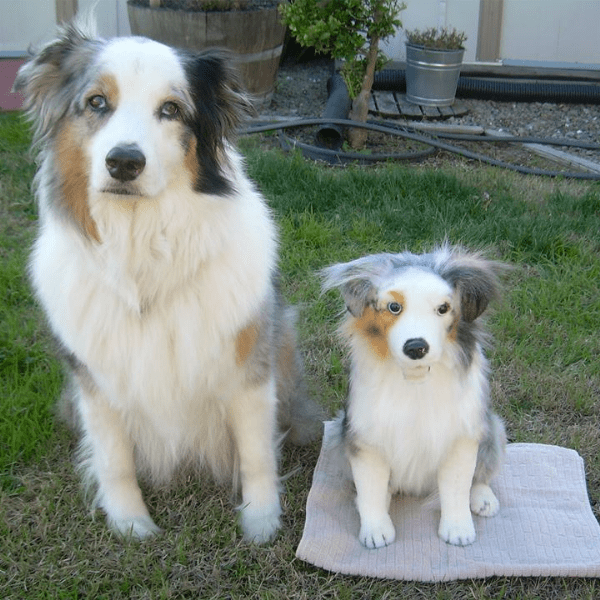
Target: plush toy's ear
column 476, row 281
column 358, row 294
column 358, row 280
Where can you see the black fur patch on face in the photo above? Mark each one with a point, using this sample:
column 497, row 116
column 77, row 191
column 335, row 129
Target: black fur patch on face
column 220, row 105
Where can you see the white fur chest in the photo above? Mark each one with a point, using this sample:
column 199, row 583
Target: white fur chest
column 153, row 310
column 413, row 424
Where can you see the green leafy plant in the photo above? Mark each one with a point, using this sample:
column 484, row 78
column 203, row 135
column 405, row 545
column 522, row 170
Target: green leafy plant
column 437, row 38
column 349, row 30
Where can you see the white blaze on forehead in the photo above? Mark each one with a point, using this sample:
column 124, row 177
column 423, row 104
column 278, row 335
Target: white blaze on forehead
column 421, row 288
column 143, row 67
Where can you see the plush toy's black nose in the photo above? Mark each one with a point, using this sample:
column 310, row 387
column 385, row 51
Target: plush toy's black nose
column 416, row 348
column 125, row 163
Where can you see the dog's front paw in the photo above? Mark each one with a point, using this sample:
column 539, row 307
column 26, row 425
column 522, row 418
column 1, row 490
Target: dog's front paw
column 483, row 501
column 377, row 534
column 457, row 533
column 137, row 528
column 259, row 525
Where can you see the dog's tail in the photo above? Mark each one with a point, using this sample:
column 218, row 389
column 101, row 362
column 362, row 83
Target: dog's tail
column 299, row 415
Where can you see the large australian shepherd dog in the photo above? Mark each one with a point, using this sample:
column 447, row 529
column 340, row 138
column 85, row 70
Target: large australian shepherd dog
column 156, row 266
column 417, row 419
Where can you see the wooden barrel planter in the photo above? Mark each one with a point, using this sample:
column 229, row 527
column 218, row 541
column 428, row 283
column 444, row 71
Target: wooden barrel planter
column 254, row 35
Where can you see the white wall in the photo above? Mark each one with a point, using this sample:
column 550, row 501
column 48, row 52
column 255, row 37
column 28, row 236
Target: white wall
column 532, row 30
column 111, row 16
column 24, row 23
column 423, row 14
column 551, row 30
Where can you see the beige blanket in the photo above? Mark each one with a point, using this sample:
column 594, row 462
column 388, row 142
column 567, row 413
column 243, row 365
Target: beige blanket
column 545, row 525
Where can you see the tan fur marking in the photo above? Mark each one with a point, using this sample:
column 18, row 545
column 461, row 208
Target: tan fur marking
column 191, row 160
column 73, row 168
column 374, row 324
column 245, row 343
column 453, row 330
column 108, row 86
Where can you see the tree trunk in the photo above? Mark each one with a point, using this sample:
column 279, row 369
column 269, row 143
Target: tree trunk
column 360, row 104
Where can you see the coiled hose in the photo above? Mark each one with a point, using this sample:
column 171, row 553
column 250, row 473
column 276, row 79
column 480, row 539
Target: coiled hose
column 330, row 134
column 338, row 157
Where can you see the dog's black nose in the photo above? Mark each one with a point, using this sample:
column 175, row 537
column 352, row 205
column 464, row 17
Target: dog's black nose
column 416, row 348
column 125, row 163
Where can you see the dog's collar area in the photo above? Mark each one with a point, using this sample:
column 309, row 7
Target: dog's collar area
column 416, row 373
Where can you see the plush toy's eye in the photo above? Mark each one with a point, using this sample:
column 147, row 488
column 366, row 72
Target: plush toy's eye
column 98, row 103
column 443, row 308
column 169, row 110
column 395, row 308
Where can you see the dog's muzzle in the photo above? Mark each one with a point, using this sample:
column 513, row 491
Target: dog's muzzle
column 415, row 348
column 125, row 163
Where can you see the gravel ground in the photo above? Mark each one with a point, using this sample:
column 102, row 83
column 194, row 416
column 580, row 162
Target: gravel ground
column 301, row 91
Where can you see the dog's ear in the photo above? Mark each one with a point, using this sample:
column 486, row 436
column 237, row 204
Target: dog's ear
column 217, row 90
column 476, row 281
column 49, row 80
column 220, row 106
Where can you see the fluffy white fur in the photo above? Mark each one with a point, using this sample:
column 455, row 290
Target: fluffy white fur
column 157, row 281
column 417, row 421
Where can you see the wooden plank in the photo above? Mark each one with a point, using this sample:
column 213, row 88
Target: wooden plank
column 446, row 111
column 490, row 30
column 553, row 154
column 431, row 112
column 372, row 103
column 408, row 109
column 386, row 103
column 459, row 108
column 442, row 127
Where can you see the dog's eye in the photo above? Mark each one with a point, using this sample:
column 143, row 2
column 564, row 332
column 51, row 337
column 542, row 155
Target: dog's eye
column 443, row 308
column 169, row 110
column 395, row 308
column 98, row 103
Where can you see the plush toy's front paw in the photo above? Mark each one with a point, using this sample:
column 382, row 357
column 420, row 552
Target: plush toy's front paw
column 457, row 533
column 483, row 501
column 377, row 534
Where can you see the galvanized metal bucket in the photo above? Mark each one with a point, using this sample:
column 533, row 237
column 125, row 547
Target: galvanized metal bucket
column 432, row 75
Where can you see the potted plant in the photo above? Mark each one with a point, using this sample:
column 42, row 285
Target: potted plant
column 433, row 61
column 251, row 29
column 349, row 30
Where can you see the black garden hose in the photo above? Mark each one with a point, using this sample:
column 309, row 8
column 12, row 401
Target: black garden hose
column 337, row 107
column 330, row 134
column 334, row 157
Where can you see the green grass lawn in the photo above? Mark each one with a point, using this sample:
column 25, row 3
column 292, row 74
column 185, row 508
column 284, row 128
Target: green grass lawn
column 545, row 379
